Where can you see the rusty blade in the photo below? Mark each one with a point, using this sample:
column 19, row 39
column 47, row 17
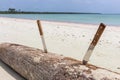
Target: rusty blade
column 40, row 27
column 42, row 36
column 93, row 43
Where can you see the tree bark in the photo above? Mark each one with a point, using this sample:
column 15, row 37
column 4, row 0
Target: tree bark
column 34, row 64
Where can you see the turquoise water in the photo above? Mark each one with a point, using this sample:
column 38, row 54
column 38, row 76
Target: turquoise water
column 108, row 19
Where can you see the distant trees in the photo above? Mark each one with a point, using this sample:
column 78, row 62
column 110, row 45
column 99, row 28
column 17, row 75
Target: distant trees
column 12, row 10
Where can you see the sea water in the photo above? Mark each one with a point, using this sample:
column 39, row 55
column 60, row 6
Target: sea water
column 108, row 19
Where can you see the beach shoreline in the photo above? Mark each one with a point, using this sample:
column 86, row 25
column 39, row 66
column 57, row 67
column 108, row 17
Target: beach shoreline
column 63, row 22
column 69, row 39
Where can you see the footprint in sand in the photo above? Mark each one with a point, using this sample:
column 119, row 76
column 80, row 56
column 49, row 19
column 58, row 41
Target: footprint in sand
column 119, row 42
column 58, row 27
column 62, row 40
column 83, row 35
column 118, row 67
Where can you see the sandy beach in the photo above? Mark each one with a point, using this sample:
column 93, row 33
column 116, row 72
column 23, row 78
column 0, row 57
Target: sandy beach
column 68, row 39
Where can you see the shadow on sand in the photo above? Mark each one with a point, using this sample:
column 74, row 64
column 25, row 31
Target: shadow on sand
column 9, row 71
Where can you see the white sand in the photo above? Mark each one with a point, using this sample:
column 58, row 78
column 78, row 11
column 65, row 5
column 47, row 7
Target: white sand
column 68, row 39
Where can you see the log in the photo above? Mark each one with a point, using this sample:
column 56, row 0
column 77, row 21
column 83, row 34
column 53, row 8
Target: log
column 34, row 64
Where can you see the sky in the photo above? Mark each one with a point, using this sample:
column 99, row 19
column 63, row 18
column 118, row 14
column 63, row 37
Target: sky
column 92, row 6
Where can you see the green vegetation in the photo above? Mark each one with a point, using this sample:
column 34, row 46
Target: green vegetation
column 23, row 12
column 14, row 11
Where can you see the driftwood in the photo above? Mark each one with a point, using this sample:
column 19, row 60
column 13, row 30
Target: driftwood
column 34, row 64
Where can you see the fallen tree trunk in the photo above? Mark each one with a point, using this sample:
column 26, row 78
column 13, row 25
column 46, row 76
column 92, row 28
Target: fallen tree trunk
column 34, row 64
